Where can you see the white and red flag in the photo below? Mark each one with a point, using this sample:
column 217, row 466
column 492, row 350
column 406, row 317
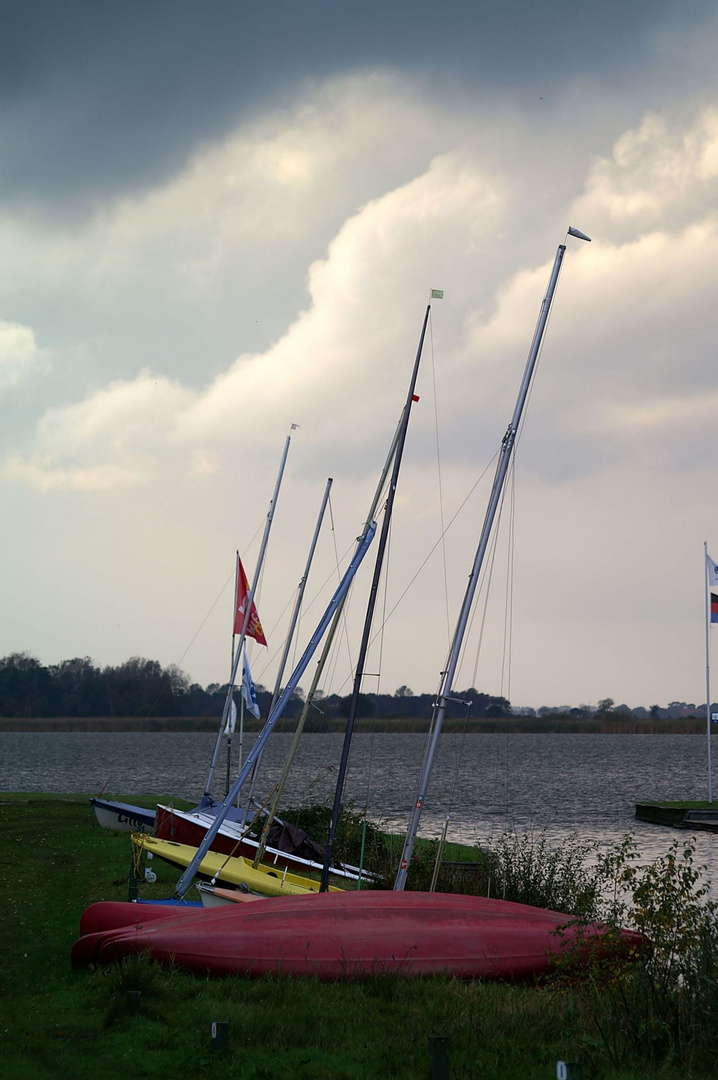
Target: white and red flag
column 254, row 626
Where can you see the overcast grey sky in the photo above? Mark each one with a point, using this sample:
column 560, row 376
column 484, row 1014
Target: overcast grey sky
column 217, row 220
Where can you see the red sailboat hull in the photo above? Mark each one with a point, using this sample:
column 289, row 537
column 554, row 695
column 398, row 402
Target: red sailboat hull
column 190, row 828
column 183, row 828
column 348, row 935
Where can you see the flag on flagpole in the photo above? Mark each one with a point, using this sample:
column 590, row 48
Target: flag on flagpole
column 248, row 692
column 254, row 626
column 712, row 570
column 714, row 607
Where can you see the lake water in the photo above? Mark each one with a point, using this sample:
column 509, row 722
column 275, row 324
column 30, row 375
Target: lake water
column 585, row 785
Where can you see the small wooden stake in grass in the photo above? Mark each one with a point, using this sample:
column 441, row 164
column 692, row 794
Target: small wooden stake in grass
column 438, row 1057
column 132, row 880
column 569, row 1070
column 220, row 1035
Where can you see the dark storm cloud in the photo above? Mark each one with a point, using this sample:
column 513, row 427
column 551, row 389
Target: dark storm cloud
column 96, row 97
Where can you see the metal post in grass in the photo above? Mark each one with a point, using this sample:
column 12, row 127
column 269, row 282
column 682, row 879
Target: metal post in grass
column 438, row 1057
column 569, row 1070
column 220, row 1035
column 132, row 879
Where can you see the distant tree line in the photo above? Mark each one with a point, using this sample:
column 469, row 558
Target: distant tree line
column 143, row 688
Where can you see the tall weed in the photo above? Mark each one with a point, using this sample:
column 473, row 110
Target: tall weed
column 659, row 1006
column 527, row 869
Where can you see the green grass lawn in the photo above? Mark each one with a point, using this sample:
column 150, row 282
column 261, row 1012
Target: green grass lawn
column 56, row 1022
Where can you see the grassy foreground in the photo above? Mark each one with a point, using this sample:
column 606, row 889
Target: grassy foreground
column 56, row 1022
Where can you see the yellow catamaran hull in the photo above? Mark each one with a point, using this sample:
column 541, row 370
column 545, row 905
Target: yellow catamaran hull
column 268, row 880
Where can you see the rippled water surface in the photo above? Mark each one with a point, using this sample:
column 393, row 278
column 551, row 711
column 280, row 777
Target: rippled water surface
column 582, row 784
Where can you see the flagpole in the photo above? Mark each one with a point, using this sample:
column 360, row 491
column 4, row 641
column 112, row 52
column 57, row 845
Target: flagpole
column 247, row 615
column 708, row 672
column 231, row 668
column 241, row 730
column 290, row 633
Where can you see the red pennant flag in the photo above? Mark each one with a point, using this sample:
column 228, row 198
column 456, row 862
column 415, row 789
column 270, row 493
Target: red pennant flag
column 254, row 626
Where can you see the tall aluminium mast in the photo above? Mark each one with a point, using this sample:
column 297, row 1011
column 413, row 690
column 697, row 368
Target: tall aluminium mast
column 447, row 676
column 369, row 618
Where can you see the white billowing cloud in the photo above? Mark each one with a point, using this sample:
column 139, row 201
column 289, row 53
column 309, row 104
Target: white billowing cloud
column 350, row 347
column 340, row 367
column 631, row 345
column 345, row 357
column 112, row 439
column 19, row 353
column 661, row 174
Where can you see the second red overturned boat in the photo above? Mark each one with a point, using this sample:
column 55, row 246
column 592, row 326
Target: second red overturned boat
column 348, row 935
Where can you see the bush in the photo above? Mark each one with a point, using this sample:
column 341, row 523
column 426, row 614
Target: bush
column 528, row 870
column 663, row 1009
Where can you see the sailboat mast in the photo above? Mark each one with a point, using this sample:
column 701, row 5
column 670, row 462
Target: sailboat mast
column 300, row 593
column 248, row 612
column 321, row 662
column 369, row 618
column 447, row 677
column 362, row 547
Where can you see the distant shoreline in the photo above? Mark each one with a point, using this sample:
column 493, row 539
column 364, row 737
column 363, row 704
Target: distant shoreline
column 510, row 725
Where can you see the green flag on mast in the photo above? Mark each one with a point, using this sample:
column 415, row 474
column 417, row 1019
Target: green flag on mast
column 437, row 294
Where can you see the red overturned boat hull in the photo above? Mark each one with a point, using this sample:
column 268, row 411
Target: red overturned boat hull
column 116, row 914
column 344, row 935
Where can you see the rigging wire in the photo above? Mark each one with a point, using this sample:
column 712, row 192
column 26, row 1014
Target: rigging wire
column 435, row 545
column 219, row 596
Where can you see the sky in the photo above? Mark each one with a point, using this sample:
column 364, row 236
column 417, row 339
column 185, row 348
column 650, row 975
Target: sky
column 217, row 221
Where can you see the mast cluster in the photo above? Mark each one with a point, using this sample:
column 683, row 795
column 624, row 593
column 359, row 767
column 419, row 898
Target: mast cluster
column 330, row 620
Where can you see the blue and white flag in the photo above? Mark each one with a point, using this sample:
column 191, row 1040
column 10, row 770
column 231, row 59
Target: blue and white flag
column 248, row 692
column 712, row 569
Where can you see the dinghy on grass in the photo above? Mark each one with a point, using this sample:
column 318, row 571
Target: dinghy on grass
column 267, row 880
column 123, row 817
